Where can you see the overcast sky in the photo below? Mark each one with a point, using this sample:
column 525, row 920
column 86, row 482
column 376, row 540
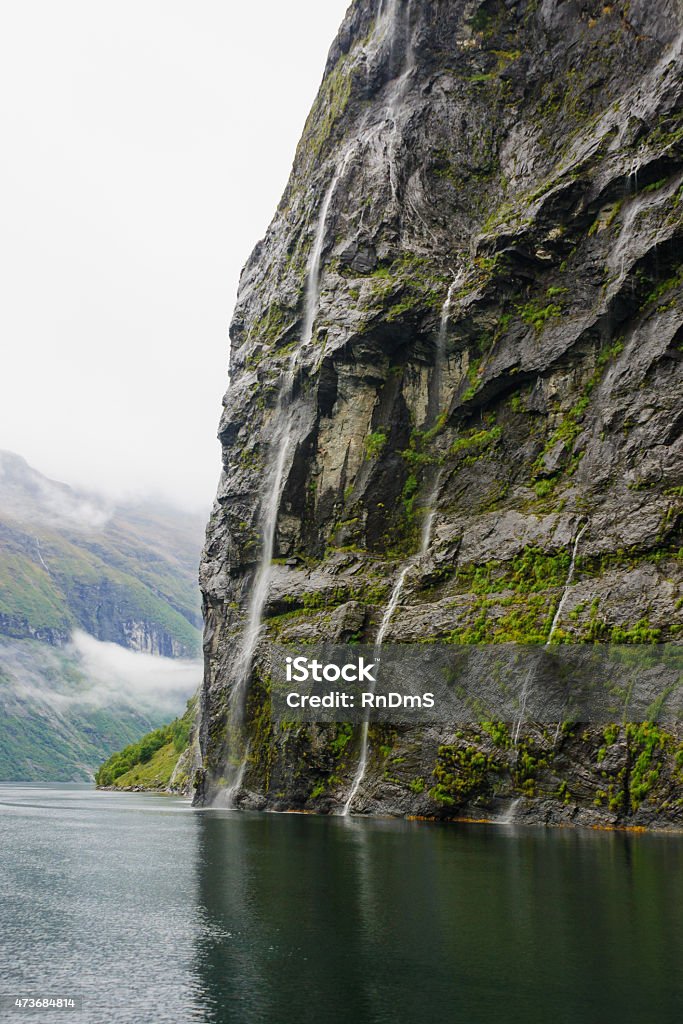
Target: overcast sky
column 146, row 144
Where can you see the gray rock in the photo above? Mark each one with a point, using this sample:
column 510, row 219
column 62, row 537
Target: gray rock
column 528, row 162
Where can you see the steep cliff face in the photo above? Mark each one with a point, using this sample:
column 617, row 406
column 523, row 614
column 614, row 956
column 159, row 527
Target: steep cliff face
column 467, row 308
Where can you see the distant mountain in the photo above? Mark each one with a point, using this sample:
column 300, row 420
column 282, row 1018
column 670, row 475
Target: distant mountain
column 99, row 623
column 68, row 559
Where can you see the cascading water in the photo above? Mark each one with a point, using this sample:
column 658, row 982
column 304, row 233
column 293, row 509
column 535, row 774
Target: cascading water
column 434, row 407
column 364, row 744
column 553, row 627
column 280, row 444
column 509, row 817
column 436, row 384
column 312, row 294
column 433, row 413
column 261, row 585
column 568, row 582
column 398, row 31
column 639, row 204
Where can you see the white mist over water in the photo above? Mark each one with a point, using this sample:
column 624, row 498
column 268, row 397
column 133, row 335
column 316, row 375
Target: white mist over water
column 148, row 680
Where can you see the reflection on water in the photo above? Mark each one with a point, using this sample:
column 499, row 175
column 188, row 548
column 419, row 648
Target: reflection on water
column 348, row 920
column 154, row 912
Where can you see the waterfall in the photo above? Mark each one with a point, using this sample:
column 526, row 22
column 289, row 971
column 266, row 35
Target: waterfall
column 414, row 559
column 381, row 633
column 568, row 581
column 364, row 745
column 434, row 411
column 509, row 816
column 261, row 584
column 522, row 702
column 553, row 627
column 389, row 22
column 639, row 203
column 312, row 293
column 398, row 88
column 620, row 250
column 434, row 398
column 236, row 785
column 40, row 556
column 279, row 447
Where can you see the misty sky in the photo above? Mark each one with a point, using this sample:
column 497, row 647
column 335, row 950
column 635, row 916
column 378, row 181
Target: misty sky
column 146, row 144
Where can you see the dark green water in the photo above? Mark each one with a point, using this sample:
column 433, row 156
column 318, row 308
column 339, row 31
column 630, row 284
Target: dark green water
column 152, row 912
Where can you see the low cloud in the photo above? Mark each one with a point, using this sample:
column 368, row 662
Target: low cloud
column 90, row 674
column 117, row 675
column 29, row 496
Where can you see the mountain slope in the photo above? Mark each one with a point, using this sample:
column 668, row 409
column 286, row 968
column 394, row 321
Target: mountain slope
column 99, row 617
column 55, row 723
column 456, row 378
column 125, row 574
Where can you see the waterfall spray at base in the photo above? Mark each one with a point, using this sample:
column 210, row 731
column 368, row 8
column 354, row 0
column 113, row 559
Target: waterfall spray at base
column 432, row 414
column 509, row 817
column 280, row 444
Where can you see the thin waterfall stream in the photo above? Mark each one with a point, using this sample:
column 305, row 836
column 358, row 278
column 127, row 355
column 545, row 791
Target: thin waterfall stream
column 279, row 448
column 399, row 25
column 433, row 407
column 509, row 817
column 568, row 582
column 312, row 296
column 259, row 592
column 553, row 627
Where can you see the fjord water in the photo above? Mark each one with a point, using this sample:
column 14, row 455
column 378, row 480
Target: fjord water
column 151, row 911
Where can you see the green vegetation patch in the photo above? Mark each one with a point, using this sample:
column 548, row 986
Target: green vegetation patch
column 150, row 761
column 375, row 444
column 330, row 103
column 28, row 593
column 461, row 774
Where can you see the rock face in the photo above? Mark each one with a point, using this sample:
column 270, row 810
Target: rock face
column 468, row 303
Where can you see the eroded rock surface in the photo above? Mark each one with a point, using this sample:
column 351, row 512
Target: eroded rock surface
column 523, row 160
